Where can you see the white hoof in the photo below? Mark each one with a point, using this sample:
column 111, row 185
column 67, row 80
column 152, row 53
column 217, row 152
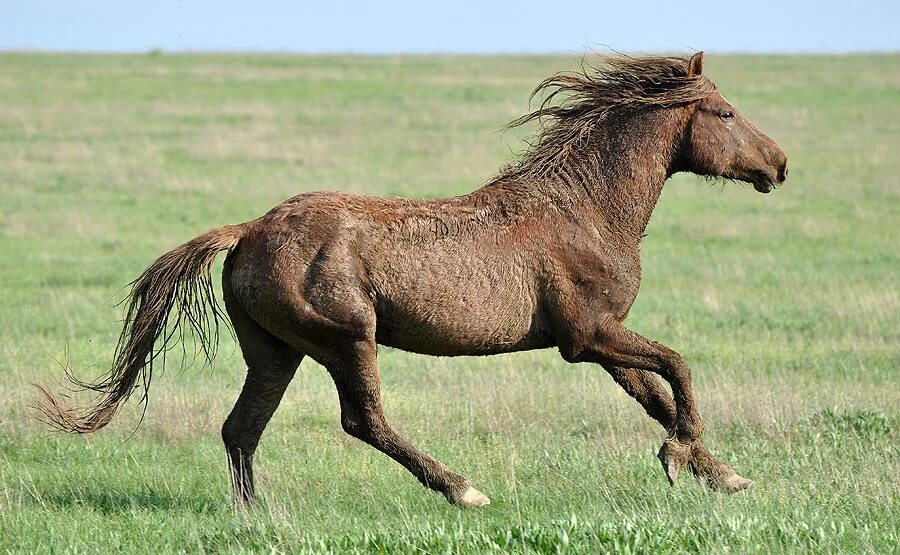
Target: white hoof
column 473, row 498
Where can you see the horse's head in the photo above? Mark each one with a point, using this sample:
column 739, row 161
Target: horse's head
column 720, row 142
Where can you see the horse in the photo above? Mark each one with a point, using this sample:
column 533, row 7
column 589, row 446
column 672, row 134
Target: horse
column 546, row 254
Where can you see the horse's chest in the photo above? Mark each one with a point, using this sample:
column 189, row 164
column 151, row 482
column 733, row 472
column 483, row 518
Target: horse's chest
column 606, row 279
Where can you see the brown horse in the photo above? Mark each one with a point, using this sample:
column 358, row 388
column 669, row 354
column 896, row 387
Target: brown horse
column 547, row 254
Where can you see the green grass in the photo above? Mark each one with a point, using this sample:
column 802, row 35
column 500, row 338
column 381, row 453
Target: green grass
column 785, row 305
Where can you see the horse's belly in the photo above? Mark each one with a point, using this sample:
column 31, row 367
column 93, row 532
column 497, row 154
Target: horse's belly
column 435, row 335
column 472, row 313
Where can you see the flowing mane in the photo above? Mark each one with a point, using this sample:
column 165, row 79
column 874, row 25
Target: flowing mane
column 603, row 91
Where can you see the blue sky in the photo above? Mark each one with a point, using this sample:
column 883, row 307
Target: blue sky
column 461, row 26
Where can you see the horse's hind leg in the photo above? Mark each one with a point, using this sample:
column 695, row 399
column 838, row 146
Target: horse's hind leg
column 271, row 364
column 355, row 373
column 649, row 392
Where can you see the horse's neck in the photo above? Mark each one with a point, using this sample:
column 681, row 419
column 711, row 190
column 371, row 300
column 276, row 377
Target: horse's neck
column 612, row 183
column 631, row 166
column 624, row 201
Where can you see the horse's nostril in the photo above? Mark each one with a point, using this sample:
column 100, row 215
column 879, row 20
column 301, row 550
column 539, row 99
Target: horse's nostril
column 782, row 173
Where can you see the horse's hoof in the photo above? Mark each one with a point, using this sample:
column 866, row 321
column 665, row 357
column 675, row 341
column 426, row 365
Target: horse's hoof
column 733, row 483
column 472, row 498
column 674, row 456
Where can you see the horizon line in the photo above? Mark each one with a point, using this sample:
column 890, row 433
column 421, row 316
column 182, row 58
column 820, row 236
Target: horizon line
column 157, row 51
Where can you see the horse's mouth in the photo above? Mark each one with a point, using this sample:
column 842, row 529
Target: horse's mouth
column 764, row 184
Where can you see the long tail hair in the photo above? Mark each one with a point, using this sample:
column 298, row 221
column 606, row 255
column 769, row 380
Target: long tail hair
column 177, row 281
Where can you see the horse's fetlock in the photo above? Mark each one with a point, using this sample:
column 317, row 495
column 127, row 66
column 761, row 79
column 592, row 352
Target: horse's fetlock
column 689, row 430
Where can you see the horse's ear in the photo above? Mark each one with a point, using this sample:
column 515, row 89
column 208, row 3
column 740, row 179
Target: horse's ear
column 695, row 66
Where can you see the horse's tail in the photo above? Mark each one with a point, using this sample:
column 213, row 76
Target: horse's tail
column 178, row 280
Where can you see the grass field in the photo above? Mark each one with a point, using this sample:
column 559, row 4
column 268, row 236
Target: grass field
column 786, row 306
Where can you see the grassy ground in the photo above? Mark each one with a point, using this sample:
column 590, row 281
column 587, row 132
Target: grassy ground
column 786, row 306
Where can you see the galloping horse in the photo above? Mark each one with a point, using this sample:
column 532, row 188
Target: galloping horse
column 547, row 254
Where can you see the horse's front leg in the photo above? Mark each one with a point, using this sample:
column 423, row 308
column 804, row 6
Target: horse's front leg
column 613, row 344
column 646, row 390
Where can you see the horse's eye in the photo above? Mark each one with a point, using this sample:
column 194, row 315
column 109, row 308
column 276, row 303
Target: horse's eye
column 727, row 114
